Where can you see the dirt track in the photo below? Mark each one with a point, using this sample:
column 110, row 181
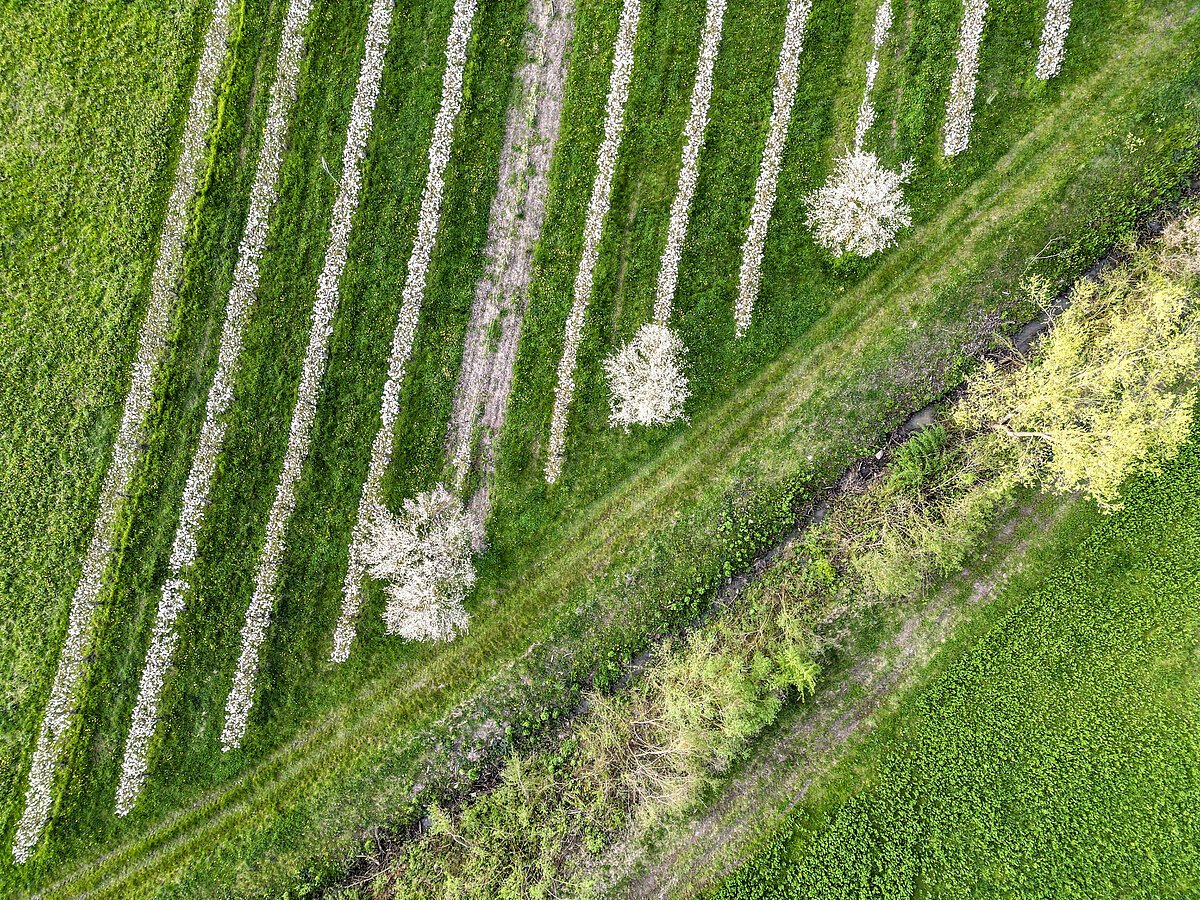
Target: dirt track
column 518, row 210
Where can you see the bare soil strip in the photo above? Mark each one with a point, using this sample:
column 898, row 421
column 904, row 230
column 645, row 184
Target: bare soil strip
column 518, row 210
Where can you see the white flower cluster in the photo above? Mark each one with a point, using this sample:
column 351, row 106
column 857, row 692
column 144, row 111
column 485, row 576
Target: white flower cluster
column 689, row 170
column 646, row 378
column 768, row 176
column 258, row 614
column 410, row 313
column 960, row 106
column 242, row 297
column 1053, row 48
column 861, row 208
column 866, row 110
column 152, row 341
column 423, row 556
column 593, row 229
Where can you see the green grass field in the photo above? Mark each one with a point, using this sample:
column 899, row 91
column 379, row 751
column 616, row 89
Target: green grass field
column 630, row 542
column 1050, row 751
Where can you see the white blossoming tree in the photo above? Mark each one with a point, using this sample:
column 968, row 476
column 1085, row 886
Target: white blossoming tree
column 423, row 556
column 647, row 380
column 861, row 208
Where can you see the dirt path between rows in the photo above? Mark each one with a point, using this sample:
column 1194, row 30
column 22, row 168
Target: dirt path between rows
column 518, row 210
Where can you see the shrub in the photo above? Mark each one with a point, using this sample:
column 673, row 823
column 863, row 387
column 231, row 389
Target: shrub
column 1107, row 393
column 646, row 378
column 919, row 458
column 423, row 557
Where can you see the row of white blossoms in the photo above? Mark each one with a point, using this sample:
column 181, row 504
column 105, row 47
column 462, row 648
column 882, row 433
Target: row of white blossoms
column 860, row 209
column 593, row 230
column 152, row 340
column 961, row 104
column 316, row 356
column 646, row 375
column 786, row 80
column 427, row 582
column 241, row 301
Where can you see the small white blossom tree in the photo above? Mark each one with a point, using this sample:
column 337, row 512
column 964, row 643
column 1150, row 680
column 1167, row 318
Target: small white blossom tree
column 861, row 208
column 593, row 230
column 646, row 378
column 424, row 558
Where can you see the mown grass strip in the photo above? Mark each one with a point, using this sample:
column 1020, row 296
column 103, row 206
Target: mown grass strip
column 71, row 674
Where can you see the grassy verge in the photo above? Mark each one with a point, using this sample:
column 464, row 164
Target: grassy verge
column 1050, row 752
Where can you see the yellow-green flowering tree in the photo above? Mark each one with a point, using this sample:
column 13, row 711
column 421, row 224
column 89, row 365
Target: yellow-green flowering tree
column 1109, row 391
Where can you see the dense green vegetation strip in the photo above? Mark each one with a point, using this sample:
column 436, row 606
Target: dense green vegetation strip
column 94, row 97
column 1054, row 750
column 353, row 767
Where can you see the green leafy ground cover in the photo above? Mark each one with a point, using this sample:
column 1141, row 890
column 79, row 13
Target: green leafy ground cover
column 828, row 368
column 1051, row 751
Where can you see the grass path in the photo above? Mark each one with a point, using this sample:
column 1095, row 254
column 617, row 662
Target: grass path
column 796, row 391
